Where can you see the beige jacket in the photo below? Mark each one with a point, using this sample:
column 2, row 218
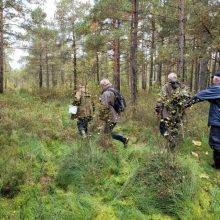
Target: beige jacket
column 84, row 102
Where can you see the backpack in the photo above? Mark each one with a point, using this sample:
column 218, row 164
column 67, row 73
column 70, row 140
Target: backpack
column 119, row 104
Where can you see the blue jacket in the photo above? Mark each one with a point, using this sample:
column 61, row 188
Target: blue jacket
column 211, row 94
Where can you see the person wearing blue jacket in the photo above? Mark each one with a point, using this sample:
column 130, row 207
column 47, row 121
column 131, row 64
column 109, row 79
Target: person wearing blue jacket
column 212, row 94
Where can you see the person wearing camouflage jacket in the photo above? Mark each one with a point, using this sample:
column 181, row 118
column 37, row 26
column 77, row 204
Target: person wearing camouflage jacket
column 107, row 113
column 170, row 108
column 85, row 109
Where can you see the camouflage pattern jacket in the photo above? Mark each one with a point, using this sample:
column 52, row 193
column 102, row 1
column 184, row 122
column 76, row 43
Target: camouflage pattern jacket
column 85, row 104
column 107, row 112
column 172, row 99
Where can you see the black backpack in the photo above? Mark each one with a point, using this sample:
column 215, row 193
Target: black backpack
column 119, row 104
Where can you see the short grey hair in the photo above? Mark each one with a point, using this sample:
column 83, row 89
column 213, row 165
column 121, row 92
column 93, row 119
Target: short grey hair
column 105, row 82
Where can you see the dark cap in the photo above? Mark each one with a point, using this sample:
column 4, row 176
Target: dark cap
column 217, row 73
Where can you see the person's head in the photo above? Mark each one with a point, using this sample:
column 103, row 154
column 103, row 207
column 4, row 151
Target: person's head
column 216, row 78
column 172, row 77
column 81, row 87
column 105, row 83
column 173, row 81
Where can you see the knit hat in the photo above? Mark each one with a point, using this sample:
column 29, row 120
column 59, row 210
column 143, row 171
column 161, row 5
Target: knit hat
column 217, row 73
column 172, row 77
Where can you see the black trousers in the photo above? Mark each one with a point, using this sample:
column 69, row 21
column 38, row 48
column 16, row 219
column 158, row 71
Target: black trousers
column 214, row 142
column 109, row 130
column 82, row 124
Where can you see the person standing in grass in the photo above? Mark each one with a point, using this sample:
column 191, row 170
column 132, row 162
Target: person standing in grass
column 108, row 113
column 170, row 108
column 85, row 109
column 212, row 95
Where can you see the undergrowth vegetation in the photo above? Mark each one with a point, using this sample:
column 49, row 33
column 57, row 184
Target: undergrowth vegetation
column 48, row 172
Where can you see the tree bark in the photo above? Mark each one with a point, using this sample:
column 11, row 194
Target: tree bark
column 196, row 80
column 191, row 75
column 116, row 49
column 152, row 52
column 181, row 66
column 97, row 67
column 203, row 72
column 133, row 53
column 54, row 80
column 143, row 65
column 128, row 69
column 47, row 70
column 1, row 49
column 203, row 63
column 6, row 82
column 40, row 72
column 193, row 63
column 214, row 63
column 160, row 69
column 62, row 76
column 74, row 62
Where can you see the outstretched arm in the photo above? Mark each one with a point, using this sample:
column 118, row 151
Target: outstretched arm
column 208, row 94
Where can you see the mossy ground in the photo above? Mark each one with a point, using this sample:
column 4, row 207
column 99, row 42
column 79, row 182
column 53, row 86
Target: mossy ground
column 48, row 172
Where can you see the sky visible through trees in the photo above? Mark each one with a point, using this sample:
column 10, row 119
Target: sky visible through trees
column 49, row 7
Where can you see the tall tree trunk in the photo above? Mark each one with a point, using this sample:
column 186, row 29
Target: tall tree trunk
column 6, row 82
column 74, row 61
column 191, row 75
column 62, row 76
column 143, row 65
column 71, row 80
column 193, row 62
column 203, row 63
column 1, row 49
column 160, row 69
column 181, row 66
column 116, row 49
column 159, row 76
column 47, row 70
column 214, row 63
column 152, row 52
column 97, row 67
column 133, row 54
column 53, row 76
column 128, row 69
column 196, row 81
column 203, row 72
column 209, row 74
column 40, row 72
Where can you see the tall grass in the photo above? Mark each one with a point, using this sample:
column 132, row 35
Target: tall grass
column 48, row 172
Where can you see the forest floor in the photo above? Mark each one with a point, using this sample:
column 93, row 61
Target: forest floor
column 49, row 172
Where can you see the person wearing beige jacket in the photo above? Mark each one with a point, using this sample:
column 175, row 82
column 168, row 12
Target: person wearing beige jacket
column 85, row 111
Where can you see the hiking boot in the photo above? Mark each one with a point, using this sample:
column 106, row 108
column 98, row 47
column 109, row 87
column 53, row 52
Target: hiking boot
column 126, row 143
